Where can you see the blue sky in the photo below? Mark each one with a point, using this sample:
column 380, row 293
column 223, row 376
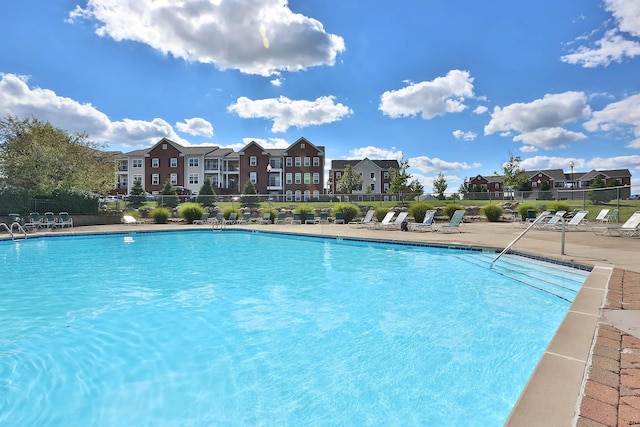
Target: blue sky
column 450, row 86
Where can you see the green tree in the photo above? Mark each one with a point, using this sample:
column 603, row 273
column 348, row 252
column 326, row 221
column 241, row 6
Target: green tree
column 136, row 195
column 400, row 179
column 168, row 195
column 597, row 195
column 514, row 177
column 440, row 186
column 249, row 197
column 206, row 195
column 415, row 188
column 41, row 158
column 351, row 180
column 544, row 192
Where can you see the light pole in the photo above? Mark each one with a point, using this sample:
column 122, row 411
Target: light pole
column 571, row 165
column 268, row 183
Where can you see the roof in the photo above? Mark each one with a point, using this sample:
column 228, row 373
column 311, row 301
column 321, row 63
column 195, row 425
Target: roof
column 382, row 164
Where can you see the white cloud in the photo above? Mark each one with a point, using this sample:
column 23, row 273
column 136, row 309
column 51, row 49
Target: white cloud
column 467, row 136
column 435, row 165
column 276, row 82
column 376, row 153
column 582, row 165
column 268, row 143
column 430, row 98
column 617, row 162
column 18, row 99
column 196, row 126
column 539, row 122
column 286, row 113
column 618, row 115
column 528, row 149
column 617, row 43
column 254, row 36
column 481, row 109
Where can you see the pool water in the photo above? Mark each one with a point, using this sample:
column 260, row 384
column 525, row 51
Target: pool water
column 240, row 328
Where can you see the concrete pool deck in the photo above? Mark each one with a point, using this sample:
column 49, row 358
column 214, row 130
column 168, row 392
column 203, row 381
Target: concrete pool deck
column 589, row 375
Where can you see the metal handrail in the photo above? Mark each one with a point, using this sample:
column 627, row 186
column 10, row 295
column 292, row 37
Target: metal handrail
column 537, row 220
column 20, row 228
column 6, row 227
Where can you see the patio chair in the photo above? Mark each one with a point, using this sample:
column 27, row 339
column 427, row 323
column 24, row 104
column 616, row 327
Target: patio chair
column 246, row 218
column 35, row 221
column 577, row 221
column 385, row 221
column 396, row 224
column 218, row 219
column 49, row 220
column 426, row 224
column 64, row 220
column 631, row 228
column 603, row 216
column 266, row 218
column 233, row 218
column 613, row 217
column 367, row 220
column 203, row 219
column 297, row 218
column 323, row 218
column 281, row 219
column 454, row 224
column 311, row 218
column 16, row 218
column 129, row 220
column 339, row 218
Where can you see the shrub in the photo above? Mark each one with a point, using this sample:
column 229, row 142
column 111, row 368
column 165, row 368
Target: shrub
column 73, row 201
column 160, row 215
column 493, row 212
column 418, row 211
column 191, row 212
column 523, row 208
column 14, row 200
column 380, row 213
column 349, row 211
column 449, row 210
column 559, row 206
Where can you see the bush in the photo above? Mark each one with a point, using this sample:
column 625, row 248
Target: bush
column 303, row 210
column 418, row 211
column 380, row 213
column 559, row 206
column 191, row 212
column 523, row 208
column 160, row 215
column 349, row 211
column 14, row 200
column 75, row 202
column 449, row 210
column 493, row 212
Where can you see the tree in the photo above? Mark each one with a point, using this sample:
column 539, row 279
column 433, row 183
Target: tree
column 206, row 195
column 41, row 158
column 440, row 186
column 415, row 188
column 168, row 195
column 513, row 175
column 400, row 178
column 351, row 180
column 249, row 195
column 544, row 193
column 597, row 195
column 137, row 196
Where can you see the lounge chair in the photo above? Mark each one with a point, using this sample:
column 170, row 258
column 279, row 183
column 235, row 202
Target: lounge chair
column 426, row 224
column 64, row 220
column 129, row 220
column 631, row 228
column 203, row 219
column 603, row 216
column 16, row 218
column 549, row 223
column 367, row 220
column 311, row 218
column 531, row 216
column 217, row 220
column 34, row 222
column 339, row 218
column 454, row 224
column 397, row 223
column 266, row 218
column 323, row 218
column 385, row 221
column 613, row 216
column 577, row 221
column 281, row 219
column 246, row 218
column 233, row 218
column 297, row 218
column 49, row 220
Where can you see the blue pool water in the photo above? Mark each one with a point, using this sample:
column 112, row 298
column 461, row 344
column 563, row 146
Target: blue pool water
column 239, row 328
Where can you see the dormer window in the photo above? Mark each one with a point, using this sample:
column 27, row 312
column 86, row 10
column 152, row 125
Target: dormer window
column 164, row 146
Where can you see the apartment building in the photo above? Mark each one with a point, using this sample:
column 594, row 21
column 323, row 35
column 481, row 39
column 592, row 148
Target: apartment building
column 375, row 178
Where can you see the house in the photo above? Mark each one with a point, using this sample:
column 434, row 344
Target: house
column 375, row 178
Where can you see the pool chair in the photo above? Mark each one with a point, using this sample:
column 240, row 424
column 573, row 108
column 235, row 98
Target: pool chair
column 64, row 220
column 339, row 218
column 297, row 218
column 578, row 220
column 246, row 218
column 367, row 220
column 49, row 220
column 35, row 221
column 233, row 219
column 217, row 220
column 16, row 218
column 548, row 222
column 426, row 224
column 266, row 218
column 203, row 219
column 281, row 219
column 603, row 216
column 129, row 220
column 311, row 218
column 631, row 228
column 323, row 218
column 385, row 221
column 397, row 223
column 613, row 217
column 454, row 224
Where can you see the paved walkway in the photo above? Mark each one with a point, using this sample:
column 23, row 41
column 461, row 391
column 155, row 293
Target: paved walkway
column 610, row 385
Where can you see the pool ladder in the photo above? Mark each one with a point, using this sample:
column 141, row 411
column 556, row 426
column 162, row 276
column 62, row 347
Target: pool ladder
column 10, row 229
column 537, row 220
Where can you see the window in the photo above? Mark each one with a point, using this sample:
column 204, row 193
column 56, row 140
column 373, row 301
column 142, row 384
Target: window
column 211, row 164
column 497, row 194
column 288, row 162
column 307, row 178
column 289, row 178
column 386, row 187
column 289, row 196
column 173, row 162
column 193, row 162
column 137, row 163
column 173, row 178
column 155, row 179
column 298, row 196
column 373, row 175
column 302, row 145
column 164, row 146
column 275, row 163
column 253, row 161
column 316, row 195
column 338, row 175
column 298, row 178
column 534, row 184
column 316, row 161
column 307, row 195
column 253, row 177
column 193, row 178
column 316, row 178
column 137, row 177
column 386, row 175
column 496, row 185
column 298, row 161
column 307, row 161
column 373, row 187
column 155, row 163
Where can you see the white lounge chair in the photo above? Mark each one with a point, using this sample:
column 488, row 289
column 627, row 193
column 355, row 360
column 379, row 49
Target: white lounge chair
column 203, row 219
column 49, row 220
column 129, row 220
column 631, row 228
column 396, row 224
column 367, row 220
column 454, row 224
column 34, row 222
column 64, row 220
column 577, row 221
column 603, row 216
column 426, row 224
column 385, row 221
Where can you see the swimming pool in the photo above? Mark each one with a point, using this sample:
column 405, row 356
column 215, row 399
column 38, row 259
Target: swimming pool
column 240, row 328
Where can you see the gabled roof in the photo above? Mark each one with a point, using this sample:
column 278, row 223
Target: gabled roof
column 306, row 141
column 614, row 173
column 382, row 164
column 554, row 174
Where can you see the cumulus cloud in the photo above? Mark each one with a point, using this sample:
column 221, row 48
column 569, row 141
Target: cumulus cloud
column 196, row 126
column 528, row 149
column 583, row 165
column 18, row 99
column 434, row 165
column 467, row 136
column 539, row 122
column 618, row 115
column 430, row 98
column 261, row 37
column 286, row 113
column 376, row 153
column 618, row 43
column 481, row 109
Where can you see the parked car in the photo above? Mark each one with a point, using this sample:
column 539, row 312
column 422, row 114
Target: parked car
column 184, row 194
column 634, row 197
